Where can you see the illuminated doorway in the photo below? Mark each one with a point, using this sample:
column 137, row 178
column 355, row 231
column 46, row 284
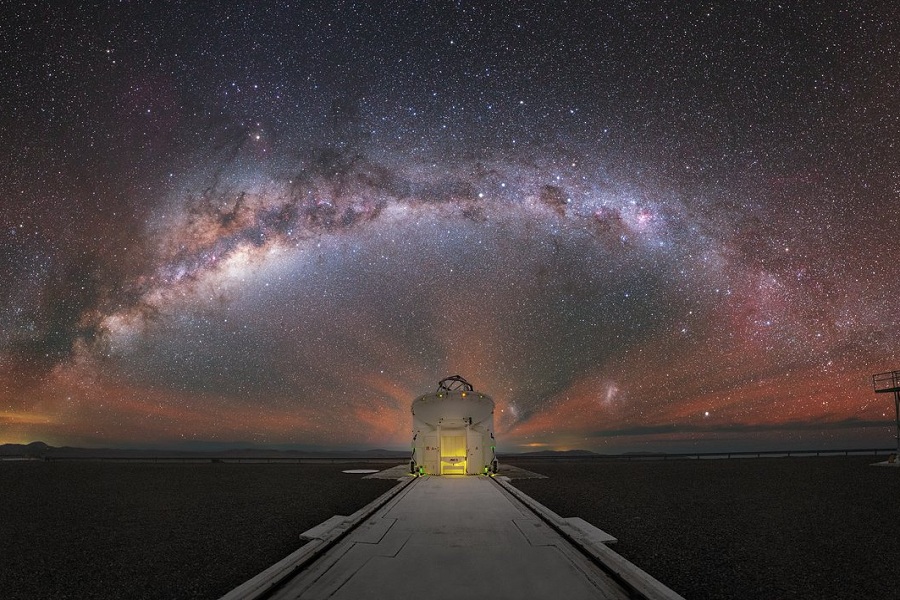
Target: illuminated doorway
column 453, row 454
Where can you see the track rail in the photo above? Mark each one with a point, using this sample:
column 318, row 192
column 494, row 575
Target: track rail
column 264, row 584
column 638, row 583
column 627, row 577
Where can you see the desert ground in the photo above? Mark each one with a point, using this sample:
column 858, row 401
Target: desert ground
column 744, row 528
column 139, row 530
column 740, row 528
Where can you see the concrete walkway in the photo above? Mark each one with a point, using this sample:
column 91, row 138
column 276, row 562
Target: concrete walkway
column 451, row 537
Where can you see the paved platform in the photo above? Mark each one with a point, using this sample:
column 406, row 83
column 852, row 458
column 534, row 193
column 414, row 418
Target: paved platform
column 451, row 537
column 508, row 471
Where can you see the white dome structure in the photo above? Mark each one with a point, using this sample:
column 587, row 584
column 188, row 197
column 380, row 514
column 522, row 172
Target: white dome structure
column 453, row 431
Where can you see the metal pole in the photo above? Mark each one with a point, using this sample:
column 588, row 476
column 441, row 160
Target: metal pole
column 897, row 416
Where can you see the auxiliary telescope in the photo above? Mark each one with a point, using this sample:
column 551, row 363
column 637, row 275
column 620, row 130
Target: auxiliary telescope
column 453, row 431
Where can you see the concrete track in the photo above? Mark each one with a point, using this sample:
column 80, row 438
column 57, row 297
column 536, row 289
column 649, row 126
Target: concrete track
column 454, row 537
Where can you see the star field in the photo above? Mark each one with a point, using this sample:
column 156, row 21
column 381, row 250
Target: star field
column 637, row 225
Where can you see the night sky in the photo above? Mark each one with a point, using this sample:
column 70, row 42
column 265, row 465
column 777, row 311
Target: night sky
column 660, row 226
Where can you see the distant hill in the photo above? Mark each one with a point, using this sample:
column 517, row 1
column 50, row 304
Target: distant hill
column 547, row 453
column 42, row 450
column 644, row 453
column 32, row 450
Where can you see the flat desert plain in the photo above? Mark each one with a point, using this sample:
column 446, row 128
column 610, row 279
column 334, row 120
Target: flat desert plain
column 143, row 530
column 748, row 528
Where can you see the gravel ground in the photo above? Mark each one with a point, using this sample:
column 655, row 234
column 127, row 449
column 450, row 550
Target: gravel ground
column 741, row 528
column 111, row 530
